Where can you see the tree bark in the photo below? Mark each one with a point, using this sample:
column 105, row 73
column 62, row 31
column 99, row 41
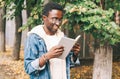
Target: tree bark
column 17, row 38
column 46, row 1
column 117, row 17
column 102, row 4
column 102, row 68
column 2, row 30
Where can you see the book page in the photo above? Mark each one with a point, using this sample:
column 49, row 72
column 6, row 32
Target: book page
column 67, row 43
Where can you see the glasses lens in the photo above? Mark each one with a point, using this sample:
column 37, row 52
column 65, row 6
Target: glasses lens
column 56, row 20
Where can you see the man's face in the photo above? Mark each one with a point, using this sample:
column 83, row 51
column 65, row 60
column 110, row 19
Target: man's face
column 52, row 21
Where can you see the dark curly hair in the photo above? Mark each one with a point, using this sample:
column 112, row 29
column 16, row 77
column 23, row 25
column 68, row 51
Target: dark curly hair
column 50, row 6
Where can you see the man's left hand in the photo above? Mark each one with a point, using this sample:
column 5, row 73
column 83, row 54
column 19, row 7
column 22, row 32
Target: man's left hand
column 76, row 49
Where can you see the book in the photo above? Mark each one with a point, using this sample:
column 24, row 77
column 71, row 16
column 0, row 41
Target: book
column 67, row 43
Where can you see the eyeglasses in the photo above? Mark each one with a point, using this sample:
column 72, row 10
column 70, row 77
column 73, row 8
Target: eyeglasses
column 55, row 20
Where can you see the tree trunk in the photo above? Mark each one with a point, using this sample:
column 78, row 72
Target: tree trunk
column 117, row 17
column 2, row 30
column 46, row 1
column 17, row 38
column 28, row 10
column 102, row 4
column 102, row 68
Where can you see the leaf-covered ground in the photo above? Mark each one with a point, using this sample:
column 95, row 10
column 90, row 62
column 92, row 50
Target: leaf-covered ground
column 10, row 69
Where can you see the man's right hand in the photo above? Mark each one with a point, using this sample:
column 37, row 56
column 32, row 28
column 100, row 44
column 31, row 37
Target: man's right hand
column 55, row 52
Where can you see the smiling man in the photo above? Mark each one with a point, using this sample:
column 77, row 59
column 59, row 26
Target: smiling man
column 41, row 50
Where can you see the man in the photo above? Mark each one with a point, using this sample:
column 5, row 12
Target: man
column 41, row 50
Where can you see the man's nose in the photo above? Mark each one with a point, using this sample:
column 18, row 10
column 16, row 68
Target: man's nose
column 58, row 23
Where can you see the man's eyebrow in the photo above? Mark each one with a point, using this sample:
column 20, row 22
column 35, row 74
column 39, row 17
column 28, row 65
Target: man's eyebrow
column 57, row 18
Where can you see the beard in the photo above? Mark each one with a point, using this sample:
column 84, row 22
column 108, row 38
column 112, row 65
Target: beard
column 53, row 29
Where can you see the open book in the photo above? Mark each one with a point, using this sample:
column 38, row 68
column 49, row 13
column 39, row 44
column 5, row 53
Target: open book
column 68, row 43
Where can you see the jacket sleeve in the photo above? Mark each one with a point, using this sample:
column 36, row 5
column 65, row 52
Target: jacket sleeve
column 32, row 53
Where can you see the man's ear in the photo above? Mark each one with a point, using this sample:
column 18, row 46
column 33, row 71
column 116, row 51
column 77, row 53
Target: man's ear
column 44, row 17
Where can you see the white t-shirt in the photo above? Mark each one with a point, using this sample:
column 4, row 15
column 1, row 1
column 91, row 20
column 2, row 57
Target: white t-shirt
column 57, row 66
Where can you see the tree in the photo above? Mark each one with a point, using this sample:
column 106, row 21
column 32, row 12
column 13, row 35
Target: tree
column 2, row 27
column 93, row 20
column 15, row 7
column 104, row 55
column 34, row 17
column 18, row 24
column 17, row 38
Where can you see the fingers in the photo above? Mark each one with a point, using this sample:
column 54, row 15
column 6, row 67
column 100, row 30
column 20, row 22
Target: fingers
column 58, row 47
column 76, row 48
column 56, row 51
column 59, row 50
column 77, row 45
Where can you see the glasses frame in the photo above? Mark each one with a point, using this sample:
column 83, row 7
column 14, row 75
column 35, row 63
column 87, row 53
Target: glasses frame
column 55, row 20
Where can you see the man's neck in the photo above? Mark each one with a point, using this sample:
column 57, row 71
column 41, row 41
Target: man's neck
column 47, row 31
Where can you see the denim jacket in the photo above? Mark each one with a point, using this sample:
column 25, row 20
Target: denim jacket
column 35, row 47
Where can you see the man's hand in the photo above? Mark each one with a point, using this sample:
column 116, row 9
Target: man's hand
column 55, row 51
column 76, row 49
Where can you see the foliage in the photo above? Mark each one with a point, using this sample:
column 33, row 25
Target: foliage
column 35, row 17
column 92, row 19
column 13, row 7
column 114, row 4
column 2, row 3
column 85, row 13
